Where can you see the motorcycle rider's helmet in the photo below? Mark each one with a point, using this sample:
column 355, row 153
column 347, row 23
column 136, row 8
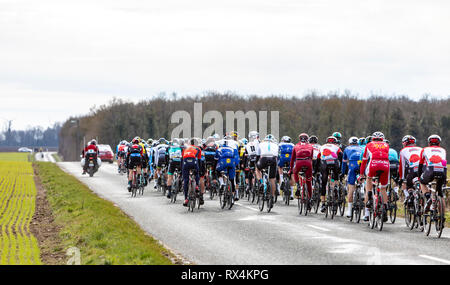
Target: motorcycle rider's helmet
column 286, row 139
column 332, row 140
column 303, row 137
column 434, row 140
column 353, row 140
column 93, row 142
column 313, row 139
column 377, row 136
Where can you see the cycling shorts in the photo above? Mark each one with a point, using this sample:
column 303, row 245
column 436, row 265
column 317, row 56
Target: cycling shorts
column 353, row 171
column 174, row 166
column 270, row 163
column 381, row 166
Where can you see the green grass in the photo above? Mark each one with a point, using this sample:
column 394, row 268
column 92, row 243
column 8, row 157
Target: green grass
column 102, row 232
column 56, row 157
column 14, row 156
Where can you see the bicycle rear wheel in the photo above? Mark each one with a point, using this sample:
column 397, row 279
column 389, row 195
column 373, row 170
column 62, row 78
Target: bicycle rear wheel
column 440, row 216
column 261, row 199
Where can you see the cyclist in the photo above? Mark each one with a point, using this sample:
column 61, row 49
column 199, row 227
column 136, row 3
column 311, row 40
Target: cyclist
column 351, row 168
column 120, row 153
column 145, row 159
column 434, row 158
column 409, row 165
column 314, row 140
column 284, row 159
column 251, row 157
column 191, row 156
column 268, row 153
column 134, row 159
column 338, row 136
column 161, row 157
column 227, row 157
column 330, row 155
column 174, row 164
column 150, row 158
column 302, row 157
column 393, row 163
column 376, row 157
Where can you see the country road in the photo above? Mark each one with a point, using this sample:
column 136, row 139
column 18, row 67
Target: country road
column 47, row 156
column 244, row 235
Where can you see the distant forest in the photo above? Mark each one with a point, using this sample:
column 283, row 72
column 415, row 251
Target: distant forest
column 313, row 114
column 31, row 137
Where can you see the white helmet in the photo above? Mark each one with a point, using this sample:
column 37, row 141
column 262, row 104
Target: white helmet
column 353, row 140
column 216, row 137
column 253, row 135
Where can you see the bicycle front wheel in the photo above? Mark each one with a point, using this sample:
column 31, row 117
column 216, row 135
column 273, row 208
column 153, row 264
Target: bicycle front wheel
column 440, row 216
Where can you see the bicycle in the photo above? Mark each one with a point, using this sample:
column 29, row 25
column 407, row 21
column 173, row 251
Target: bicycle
column 242, row 184
column 341, row 198
column 376, row 211
column 136, row 183
column 358, row 201
column 392, row 202
column 285, row 186
column 315, row 199
column 332, row 197
column 436, row 213
column 303, row 199
column 210, row 186
column 415, row 207
column 226, row 195
column 161, row 183
column 265, row 193
column 193, row 195
column 176, row 187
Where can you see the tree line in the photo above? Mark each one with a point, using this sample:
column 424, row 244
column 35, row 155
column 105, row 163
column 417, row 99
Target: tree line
column 31, row 137
column 313, row 114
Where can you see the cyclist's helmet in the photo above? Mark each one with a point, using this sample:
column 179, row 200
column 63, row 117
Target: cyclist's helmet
column 303, row 137
column 175, row 141
column 377, row 136
column 234, row 135
column 313, row 139
column 286, row 139
column 135, row 140
column 353, row 140
column 93, row 142
column 387, row 141
column 362, row 141
column 181, row 142
column 337, row 135
column 122, row 143
column 253, row 135
column 162, row 141
column 244, row 141
column 368, row 139
column 149, row 141
column 227, row 136
column 216, row 137
column 332, row 140
column 270, row 138
column 434, row 140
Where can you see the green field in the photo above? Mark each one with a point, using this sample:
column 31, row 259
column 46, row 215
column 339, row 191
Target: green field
column 17, row 206
column 100, row 230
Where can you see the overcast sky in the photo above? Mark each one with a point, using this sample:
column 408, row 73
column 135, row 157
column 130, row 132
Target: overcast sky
column 58, row 58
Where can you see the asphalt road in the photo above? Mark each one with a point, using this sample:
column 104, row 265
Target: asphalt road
column 47, row 156
column 244, row 235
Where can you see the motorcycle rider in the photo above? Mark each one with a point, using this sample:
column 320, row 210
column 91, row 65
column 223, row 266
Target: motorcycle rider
column 90, row 150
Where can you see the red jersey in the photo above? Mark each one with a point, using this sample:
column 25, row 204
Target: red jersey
column 192, row 152
column 377, row 152
column 302, row 151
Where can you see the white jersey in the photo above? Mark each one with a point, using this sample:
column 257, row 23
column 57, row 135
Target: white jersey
column 252, row 148
column 409, row 158
column 434, row 156
column 316, row 150
column 329, row 152
column 231, row 143
column 268, row 149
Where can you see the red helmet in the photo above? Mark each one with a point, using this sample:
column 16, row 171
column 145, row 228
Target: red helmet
column 303, row 137
column 434, row 140
column 332, row 140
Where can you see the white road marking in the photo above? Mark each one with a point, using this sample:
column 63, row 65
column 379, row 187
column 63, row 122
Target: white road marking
column 247, row 207
column 318, row 228
column 435, row 258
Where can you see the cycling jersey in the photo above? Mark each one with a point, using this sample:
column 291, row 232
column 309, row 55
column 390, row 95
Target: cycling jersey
column 434, row 156
column 268, row 149
column 329, row 153
column 316, row 152
column 350, row 159
column 302, row 156
column 409, row 159
column 393, row 156
column 175, row 154
column 376, row 156
column 285, row 152
column 227, row 158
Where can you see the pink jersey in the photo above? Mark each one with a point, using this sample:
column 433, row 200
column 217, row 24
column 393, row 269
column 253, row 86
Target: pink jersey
column 329, row 152
column 409, row 158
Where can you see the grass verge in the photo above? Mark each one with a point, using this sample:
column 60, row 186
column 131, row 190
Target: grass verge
column 101, row 231
column 56, row 157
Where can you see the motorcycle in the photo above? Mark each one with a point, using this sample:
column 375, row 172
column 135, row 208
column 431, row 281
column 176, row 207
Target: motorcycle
column 92, row 167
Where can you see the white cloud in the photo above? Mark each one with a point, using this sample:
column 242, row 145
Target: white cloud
column 133, row 49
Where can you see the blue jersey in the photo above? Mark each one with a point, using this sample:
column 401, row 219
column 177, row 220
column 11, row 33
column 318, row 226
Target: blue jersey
column 393, row 155
column 284, row 153
column 227, row 155
column 352, row 154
